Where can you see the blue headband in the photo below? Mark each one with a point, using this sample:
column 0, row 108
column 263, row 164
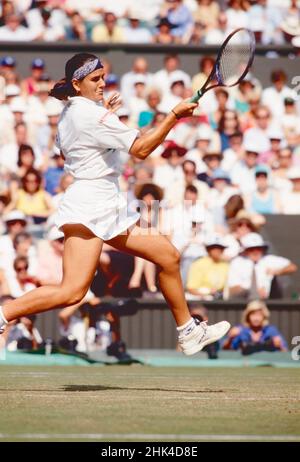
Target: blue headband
column 87, row 68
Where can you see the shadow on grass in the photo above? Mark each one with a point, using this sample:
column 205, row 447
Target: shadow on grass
column 73, row 388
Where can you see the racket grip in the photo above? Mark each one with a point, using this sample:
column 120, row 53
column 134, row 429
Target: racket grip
column 195, row 98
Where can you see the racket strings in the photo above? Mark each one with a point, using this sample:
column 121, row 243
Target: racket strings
column 235, row 58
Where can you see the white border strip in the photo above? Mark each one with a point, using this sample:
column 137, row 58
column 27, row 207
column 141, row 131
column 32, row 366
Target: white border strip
column 149, row 437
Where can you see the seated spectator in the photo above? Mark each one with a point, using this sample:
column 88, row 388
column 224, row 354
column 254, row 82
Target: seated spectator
column 135, row 32
column 140, row 66
column 76, row 30
column 164, row 34
column 234, row 153
column 228, row 124
column 24, row 246
column 46, row 134
column 31, row 198
column 221, row 190
column 179, row 15
column 291, row 199
column 217, row 35
column 206, row 65
column 190, row 178
column 26, row 160
column 49, row 31
column 273, row 97
column 64, row 181
column 169, row 175
column 208, row 275
column 54, row 173
column 162, row 79
column 153, row 99
column 281, row 171
column 13, row 31
column 277, row 142
column 21, row 282
column 290, row 122
column 264, row 200
column 255, row 333
column 24, row 335
column 109, row 31
column 30, row 84
column 149, row 196
column 243, row 172
column 236, row 15
column 207, row 13
column 239, row 226
column 259, row 134
column 213, row 162
column 190, row 243
column 251, row 274
column 15, row 222
column 204, row 139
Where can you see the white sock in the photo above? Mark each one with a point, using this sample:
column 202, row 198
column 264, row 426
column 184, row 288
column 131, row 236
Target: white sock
column 186, row 328
column 3, row 320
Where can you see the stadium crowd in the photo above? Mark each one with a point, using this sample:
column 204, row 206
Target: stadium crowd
column 209, row 187
column 148, row 21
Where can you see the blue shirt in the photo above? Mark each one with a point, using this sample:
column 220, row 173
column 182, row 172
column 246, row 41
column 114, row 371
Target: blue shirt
column 52, row 177
column 268, row 332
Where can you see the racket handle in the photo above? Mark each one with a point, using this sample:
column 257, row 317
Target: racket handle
column 195, row 98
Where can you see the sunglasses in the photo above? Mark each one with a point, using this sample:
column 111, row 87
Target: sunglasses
column 14, row 222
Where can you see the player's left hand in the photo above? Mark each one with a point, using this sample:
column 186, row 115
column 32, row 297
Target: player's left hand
column 113, row 102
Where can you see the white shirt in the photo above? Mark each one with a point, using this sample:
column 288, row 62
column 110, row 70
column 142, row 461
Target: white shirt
column 241, row 269
column 21, row 34
column 291, row 203
column 274, row 99
column 90, row 138
column 243, row 177
column 162, row 79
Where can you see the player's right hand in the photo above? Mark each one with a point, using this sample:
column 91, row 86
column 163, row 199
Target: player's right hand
column 185, row 108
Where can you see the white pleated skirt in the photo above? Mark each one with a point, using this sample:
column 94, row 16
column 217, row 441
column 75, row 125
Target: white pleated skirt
column 97, row 204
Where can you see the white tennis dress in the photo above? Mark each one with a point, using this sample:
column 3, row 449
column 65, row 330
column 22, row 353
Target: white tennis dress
column 90, row 138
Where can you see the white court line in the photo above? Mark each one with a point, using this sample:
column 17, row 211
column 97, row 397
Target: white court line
column 150, row 437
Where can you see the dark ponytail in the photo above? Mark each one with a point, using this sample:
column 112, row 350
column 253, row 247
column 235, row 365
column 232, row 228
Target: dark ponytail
column 64, row 87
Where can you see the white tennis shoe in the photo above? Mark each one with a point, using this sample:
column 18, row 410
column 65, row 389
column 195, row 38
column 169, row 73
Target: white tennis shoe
column 201, row 336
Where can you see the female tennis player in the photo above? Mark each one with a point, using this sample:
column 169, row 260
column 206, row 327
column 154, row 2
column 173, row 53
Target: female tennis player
column 93, row 210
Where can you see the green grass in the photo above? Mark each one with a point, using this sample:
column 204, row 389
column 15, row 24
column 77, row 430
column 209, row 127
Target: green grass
column 140, row 400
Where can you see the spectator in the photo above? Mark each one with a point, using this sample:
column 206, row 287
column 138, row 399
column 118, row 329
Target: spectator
column 170, row 175
column 140, row 66
column 15, row 222
column 212, row 161
column 13, row 31
column 135, row 32
column 25, row 247
column 259, row 134
column 208, row 275
column 109, row 31
column 206, row 65
column 76, row 30
column 264, row 200
column 217, row 35
column 236, row 15
column 26, row 160
column 280, row 172
column 273, row 97
column 190, row 178
column 228, row 124
column 255, row 334
column 234, row 153
column 207, row 13
column 290, row 122
column 66, row 179
column 49, row 32
column 22, row 281
column 30, row 84
column 32, row 199
column 54, row 173
column 153, row 99
column 149, row 196
column 162, row 78
column 203, row 143
column 239, row 226
column 46, row 134
column 243, row 172
column 251, row 274
column 164, row 32
column 179, row 15
column 291, row 199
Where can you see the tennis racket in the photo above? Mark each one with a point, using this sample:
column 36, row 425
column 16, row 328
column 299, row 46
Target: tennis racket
column 233, row 62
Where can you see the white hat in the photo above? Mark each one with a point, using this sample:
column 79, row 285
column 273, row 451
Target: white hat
column 204, row 132
column 296, row 41
column 134, row 13
column 294, row 173
column 252, row 240
column 14, row 215
column 18, row 105
column 215, row 240
column 176, row 76
column 12, row 90
column 54, row 233
column 291, row 25
column 275, row 133
column 139, row 78
column 253, row 146
column 53, row 107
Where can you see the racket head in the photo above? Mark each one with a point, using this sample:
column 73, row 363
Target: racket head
column 233, row 61
column 235, row 57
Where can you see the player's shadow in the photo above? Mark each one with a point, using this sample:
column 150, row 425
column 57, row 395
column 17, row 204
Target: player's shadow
column 74, row 388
